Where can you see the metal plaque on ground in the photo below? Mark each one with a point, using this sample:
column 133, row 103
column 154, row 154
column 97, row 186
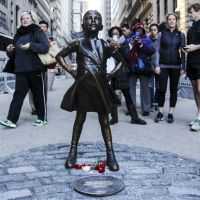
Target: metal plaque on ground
column 99, row 186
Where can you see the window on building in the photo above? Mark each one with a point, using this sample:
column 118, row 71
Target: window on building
column 12, row 27
column 11, row 7
column 17, row 16
column 3, row 20
column 4, row 2
column 174, row 5
column 158, row 11
column 166, row 6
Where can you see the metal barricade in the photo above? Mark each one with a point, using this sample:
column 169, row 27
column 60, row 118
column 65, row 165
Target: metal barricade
column 7, row 81
column 185, row 88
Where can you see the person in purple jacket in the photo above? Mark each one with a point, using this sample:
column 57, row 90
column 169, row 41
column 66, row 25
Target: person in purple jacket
column 23, row 55
column 142, row 48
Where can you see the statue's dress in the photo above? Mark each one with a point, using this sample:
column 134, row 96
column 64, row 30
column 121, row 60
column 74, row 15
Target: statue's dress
column 90, row 91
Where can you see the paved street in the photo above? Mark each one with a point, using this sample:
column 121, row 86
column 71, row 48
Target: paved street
column 39, row 174
column 161, row 160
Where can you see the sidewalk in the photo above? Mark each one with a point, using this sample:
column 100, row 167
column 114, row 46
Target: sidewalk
column 175, row 138
column 39, row 174
column 157, row 161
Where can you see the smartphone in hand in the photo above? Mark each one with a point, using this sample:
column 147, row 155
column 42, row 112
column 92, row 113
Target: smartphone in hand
column 115, row 38
column 185, row 48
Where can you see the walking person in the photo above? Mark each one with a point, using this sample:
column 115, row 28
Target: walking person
column 121, row 81
column 28, row 42
column 142, row 50
column 170, row 63
column 50, row 74
column 192, row 49
column 153, row 82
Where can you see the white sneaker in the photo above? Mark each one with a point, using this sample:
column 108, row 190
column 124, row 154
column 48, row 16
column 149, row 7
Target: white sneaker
column 8, row 123
column 196, row 126
column 39, row 122
column 192, row 122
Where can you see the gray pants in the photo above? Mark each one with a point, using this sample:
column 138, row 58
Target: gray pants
column 145, row 98
column 51, row 78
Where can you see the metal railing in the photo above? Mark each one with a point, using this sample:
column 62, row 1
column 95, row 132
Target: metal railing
column 6, row 80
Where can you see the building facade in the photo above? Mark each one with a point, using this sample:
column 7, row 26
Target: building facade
column 147, row 11
column 106, row 16
column 66, row 23
column 79, row 7
column 55, row 17
column 183, row 22
column 150, row 11
column 118, row 11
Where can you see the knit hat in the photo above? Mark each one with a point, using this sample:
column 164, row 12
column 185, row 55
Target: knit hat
column 139, row 26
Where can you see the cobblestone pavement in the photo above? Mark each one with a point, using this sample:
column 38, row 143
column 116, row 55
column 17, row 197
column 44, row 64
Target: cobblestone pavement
column 39, row 174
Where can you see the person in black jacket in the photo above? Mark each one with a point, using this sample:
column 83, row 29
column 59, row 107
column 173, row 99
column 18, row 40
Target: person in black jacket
column 170, row 63
column 193, row 58
column 28, row 42
column 121, row 80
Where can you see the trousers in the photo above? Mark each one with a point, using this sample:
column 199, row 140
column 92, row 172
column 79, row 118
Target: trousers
column 145, row 99
column 33, row 81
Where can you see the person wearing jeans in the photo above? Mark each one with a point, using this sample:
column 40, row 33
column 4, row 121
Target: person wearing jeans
column 153, row 83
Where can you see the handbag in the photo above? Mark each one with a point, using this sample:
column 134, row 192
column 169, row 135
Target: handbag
column 9, row 66
column 49, row 57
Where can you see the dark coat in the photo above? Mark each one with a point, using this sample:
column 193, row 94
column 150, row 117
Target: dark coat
column 89, row 93
column 28, row 60
column 193, row 37
column 170, row 46
column 143, row 52
column 121, row 80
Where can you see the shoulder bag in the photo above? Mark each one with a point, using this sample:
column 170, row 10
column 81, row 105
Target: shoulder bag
column 49, row 57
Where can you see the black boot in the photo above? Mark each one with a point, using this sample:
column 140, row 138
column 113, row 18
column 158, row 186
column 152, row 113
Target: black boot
column 71, row 159
column 114, row 115
column 111, row 160
column 134, row 116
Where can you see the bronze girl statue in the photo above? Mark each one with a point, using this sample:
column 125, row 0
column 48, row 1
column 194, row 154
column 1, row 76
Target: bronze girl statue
column 89, row 92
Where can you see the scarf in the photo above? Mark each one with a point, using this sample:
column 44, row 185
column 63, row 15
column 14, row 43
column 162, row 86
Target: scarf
column 24, row 30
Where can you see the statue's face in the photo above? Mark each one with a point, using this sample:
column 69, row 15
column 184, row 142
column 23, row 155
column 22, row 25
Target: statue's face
column 92, row 21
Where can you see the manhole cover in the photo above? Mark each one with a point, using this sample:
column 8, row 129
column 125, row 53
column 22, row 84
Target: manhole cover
column 99, row 186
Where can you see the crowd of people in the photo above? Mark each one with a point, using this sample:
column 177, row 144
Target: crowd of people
column 153, row 58
column 160, row 56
